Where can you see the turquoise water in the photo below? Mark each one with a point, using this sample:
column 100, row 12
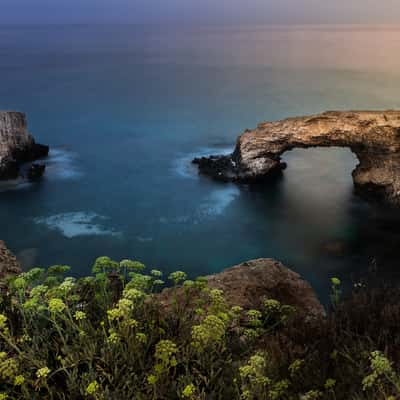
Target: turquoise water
column 125, row 109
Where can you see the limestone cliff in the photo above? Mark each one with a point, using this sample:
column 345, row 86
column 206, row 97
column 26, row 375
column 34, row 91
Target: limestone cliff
column 8, row 263
column 374, row 136
column 17, row 146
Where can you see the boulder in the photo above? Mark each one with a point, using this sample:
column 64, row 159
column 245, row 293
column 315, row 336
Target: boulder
column 249, row 283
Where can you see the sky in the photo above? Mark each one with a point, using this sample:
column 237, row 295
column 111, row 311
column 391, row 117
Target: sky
column 199, row 11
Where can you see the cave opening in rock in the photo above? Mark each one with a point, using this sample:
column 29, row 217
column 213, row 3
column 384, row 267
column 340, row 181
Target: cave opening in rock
column 319, row 176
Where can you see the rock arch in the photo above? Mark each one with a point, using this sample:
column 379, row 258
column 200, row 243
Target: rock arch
column 374, row 136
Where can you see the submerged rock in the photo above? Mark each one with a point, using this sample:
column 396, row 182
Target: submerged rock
column 8, row 262
column 249, row 283
column 35, row 172
column 17, row 146
column 374, row 136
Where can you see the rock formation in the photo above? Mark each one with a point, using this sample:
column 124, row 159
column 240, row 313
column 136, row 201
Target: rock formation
column 17, row 146
column 374, row 136
column 8, row 262
column 249, row 283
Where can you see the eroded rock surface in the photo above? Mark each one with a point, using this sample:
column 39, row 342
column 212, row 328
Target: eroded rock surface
column 249, row 283
column 8, row 262
column 17, row 146
column 374, row 136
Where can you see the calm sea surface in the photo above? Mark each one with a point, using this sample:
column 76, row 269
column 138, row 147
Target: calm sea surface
column 126, row 108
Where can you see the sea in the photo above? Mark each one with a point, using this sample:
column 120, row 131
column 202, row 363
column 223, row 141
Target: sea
column 125, row 108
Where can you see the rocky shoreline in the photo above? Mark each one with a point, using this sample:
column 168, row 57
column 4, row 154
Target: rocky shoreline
column 374, row 136
column 17, row 146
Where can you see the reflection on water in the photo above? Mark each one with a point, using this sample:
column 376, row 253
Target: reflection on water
column 125, row 109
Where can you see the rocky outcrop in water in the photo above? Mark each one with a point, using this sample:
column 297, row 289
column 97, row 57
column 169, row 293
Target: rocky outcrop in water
column 17, row 146
column 249, row 283
column 374, row 136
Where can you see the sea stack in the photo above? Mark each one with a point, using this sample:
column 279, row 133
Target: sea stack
column 373, row 136
column 17, row 146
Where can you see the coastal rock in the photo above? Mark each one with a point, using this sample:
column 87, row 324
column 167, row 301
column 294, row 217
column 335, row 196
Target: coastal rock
column 17, row 146
column 249, row 283
column 8, row 262
column 35, row 172
column 373, row 136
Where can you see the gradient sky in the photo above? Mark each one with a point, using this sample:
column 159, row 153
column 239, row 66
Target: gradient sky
column 199, row 11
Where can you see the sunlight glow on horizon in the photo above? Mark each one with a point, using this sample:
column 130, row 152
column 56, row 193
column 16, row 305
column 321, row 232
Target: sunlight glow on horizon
column 196, row 11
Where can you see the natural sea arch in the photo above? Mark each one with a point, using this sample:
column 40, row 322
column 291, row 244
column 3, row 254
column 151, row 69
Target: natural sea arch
column 373, row 136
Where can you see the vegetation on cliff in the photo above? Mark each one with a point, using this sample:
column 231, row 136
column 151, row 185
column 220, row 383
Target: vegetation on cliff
column 108, row 336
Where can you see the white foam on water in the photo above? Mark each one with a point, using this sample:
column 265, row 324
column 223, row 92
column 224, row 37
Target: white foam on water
column 183, row 166
column 79, row 223
column 212, row 206
column 15, row 184
column 218, row 201
column 62, row 164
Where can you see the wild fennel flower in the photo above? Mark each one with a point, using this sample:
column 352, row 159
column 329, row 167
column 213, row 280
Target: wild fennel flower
column 114, row 314
column 92, row 388
column 133, row 294
column 141, row 337
column 177, row 276
column 132, row 265
column 19, row 380
column 156, row 273
column 125, row 305
column 330, row 383
column 3, row 322
column 20, row 283
column 133, row 323
column 56, row 306
column 151, row 379
column 38, row 291
column 211, row 330
column 3, row 396
column 80, row 315
column 8, row 368
column 112, row 337
column 165, row 354
column 42, row 373
column 189, row 391
column 272, row 306
column 67, row 285
column 254, row 317
column 278, row 390
column 335, row 281
column 380, row 366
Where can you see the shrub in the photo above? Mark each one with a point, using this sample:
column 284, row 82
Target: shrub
column 109, row 337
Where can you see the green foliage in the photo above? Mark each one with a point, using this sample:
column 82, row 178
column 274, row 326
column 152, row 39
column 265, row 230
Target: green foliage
column 111, row 336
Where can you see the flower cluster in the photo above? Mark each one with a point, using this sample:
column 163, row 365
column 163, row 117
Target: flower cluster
column 189, row 391
column 56, row 306
column 177, row 276
column 42, row 373
column 253, row 378
column 380, row 366
column 92, row 388
column 211, row 330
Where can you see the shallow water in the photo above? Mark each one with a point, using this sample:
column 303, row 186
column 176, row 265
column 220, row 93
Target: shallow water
column 125, row 109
